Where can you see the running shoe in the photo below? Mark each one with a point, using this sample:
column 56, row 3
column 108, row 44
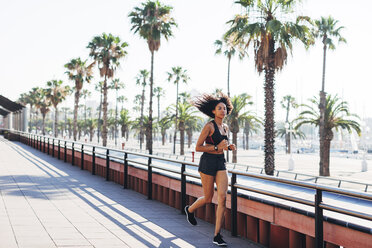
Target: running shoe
column 190, row 216
column 218, row 240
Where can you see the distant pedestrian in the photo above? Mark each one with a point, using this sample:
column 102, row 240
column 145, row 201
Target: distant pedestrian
column 213, row 142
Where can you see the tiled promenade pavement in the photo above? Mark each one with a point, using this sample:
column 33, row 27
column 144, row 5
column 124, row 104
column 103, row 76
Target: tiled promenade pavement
column 45, row 202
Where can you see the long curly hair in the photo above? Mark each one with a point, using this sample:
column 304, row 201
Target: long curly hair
column 206, row 103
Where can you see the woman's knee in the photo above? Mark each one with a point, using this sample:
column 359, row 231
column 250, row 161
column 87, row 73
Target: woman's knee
column 222, row 199
column 208, row 199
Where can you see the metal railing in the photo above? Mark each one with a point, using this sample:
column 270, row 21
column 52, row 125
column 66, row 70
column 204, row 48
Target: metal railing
column 40, row 142
column 260, row 170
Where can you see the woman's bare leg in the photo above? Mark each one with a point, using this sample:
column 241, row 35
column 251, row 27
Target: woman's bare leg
column 222, row 184
column 208, row 188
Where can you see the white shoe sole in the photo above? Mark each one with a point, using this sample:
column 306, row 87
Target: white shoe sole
column 224, row 244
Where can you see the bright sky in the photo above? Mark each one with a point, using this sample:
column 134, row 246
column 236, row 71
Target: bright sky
column 39, row 37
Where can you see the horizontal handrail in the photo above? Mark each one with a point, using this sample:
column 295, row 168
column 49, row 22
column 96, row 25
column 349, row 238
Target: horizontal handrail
column 277, row 195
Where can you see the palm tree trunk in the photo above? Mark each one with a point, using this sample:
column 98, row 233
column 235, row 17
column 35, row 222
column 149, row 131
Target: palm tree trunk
column 141, row 118
column 288, row 142
column 235, row 139
column 43, row 122
column 99, row 116
column 244, row 140
column 158, row 107
column 175, row 124
column 325, row 169
column 104, row 128
column 56, row 122
column 228, row 76
column 269, row 115
column 189, row 138
column 182, row 138
column 30, row 128
column 163, row 138
column 322, row 106
column 77, row 95
column 247, row 140
column 151, row 94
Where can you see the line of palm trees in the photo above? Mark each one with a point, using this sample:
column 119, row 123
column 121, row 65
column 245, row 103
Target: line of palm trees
column 262, row 25
column 265, row 26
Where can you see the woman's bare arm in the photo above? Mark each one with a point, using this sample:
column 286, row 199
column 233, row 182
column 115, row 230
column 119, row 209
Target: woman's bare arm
column 200, row 147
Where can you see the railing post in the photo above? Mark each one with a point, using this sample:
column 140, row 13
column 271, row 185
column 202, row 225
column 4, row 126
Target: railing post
column 125, row 183
column 48, row 147
column 53, row 147
column 59, row 149
column 149, row 179
column 183, row 188
column 65, row 148
column 234, row 209
column 44, row 145
column 73, row 153
column 82, row 158
column 319, row 242
column 107, row 164
column 93, row 160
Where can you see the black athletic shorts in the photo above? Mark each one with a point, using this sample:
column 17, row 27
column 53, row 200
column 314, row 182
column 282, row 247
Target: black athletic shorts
column 211, row 163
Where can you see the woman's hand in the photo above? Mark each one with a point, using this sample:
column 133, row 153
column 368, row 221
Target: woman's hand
column 232, row 147
column 222, row 145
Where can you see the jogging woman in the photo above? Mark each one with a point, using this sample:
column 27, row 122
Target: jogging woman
column 213, row 142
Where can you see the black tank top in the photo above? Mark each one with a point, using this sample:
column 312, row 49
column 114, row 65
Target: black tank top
column 216, row 137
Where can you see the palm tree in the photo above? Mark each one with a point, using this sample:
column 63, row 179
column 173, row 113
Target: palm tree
column 122, row 100
column 91, row 125
column 178, row 74
column 271, row 38
column 151, row 22
column 116, row 85
column 191, row 126
column 141, row 80
column 106, row 50
column 184, row 97
column 336, row 116
column 99, row 87
column 159, row 92
column 78, row 72
column 236, row 117
column 56, row 94
column 294, row 133
column 65, row 111
column 81, row 126
column 252, row 124
column 43, row 103
column 325, row 28
column 70, row 124
column 125, row 123
column 228, row 46
column 145, row 125
column 85, row 94
column 164, row 124
column 187, row 113
column 287, row 102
